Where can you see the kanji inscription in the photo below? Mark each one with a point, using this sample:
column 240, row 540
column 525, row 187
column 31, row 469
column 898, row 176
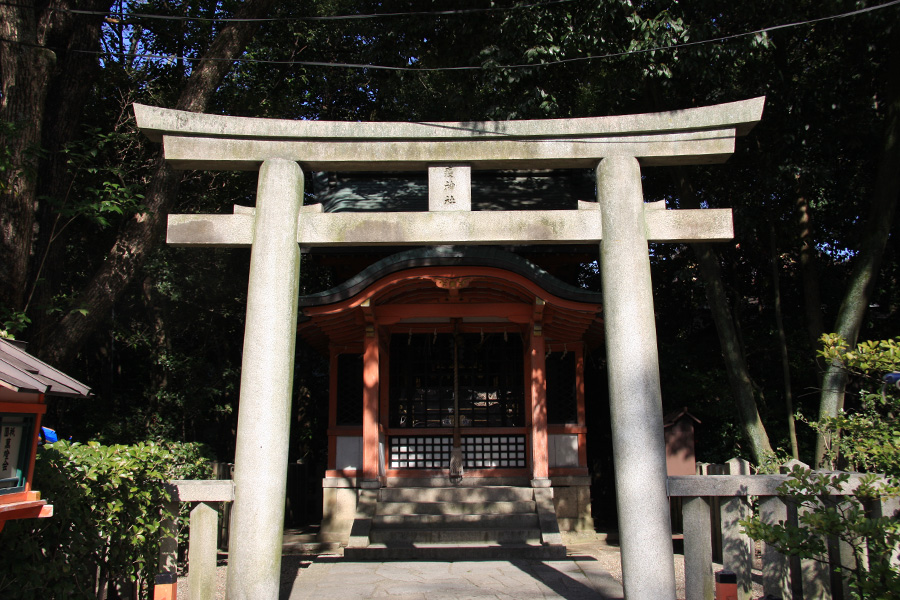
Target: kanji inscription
column 449, row 188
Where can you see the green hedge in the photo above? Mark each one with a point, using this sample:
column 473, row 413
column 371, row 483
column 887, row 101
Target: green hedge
column 105, row 529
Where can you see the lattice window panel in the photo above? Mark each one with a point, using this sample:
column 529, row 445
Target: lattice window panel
column 420, row 452
column 562, row 402
column 490, row 380
column 493, row 451
column 479, row 452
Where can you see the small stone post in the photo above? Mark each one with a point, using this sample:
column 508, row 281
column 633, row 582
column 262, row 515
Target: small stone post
column 698, row 574
column 776, row 572
column 887, row 507
column 202, row 552
column 840, row 553
column 737, row 548
column 635, row 399
column 166, row 581
column 815, row 575
column 168, row 544
column 260, row 470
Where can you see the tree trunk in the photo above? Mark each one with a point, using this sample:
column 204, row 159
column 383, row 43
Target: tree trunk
column 25, row 70
column 809, row 271
column 782, row 345
column 76, row 38
column 141, row 233
column 868, row 262
column 735, row 364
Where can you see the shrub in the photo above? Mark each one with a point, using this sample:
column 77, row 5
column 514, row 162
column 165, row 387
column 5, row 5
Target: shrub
column 867, row 439
column 864, row 439
column 872, row 540
column 108, row 507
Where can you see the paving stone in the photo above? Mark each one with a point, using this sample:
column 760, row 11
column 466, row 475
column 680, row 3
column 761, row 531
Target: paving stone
column 330, row 577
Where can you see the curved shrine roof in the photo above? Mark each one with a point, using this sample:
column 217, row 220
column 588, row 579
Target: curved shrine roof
column 481, row 287
column 451, row 256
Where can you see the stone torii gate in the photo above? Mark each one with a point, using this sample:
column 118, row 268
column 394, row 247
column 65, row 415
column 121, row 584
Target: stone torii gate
column 620, row 222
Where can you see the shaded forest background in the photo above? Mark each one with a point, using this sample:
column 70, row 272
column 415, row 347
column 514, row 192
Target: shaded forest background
column 157, row 331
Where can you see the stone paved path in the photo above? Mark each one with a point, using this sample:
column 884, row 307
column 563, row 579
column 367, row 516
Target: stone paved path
column 329, row 577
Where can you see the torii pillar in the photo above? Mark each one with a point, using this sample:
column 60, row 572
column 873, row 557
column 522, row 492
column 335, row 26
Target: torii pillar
column 620, row 221
column 267, row 377
column 635, row 399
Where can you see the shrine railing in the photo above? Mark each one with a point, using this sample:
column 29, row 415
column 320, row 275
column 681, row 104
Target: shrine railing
column 712, row 507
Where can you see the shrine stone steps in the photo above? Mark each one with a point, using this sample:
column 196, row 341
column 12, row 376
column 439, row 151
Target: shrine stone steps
column 455, row 508
column 510, row 521
column 456, row 552
column 454, row 523
column 440, row 535
column 456, row 494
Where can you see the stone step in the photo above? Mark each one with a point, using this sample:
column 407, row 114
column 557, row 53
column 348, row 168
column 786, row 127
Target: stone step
column 455, row 508
column 408, row 536
column 457, row 552
column 443, row 481
column 451, row 521
column 310, row 548
column 456, row 494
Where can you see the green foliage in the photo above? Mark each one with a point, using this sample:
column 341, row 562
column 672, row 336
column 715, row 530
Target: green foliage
column 868, row 437
column 166, row 362
column 873, row 540
column 101, row 184
column 773, row 462
column 108, row 507
column 869, row 441
column 12, row 323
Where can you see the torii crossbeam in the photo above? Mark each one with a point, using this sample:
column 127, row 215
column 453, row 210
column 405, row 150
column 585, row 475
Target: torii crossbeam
column 620, row 221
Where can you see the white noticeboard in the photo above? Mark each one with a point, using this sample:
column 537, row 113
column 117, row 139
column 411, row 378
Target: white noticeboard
column 11, row 432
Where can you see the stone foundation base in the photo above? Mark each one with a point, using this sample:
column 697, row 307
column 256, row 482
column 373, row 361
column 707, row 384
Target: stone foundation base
column 571, row 500
column 338, row 512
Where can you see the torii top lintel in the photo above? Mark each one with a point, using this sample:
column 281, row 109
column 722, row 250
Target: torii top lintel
column 692, row 136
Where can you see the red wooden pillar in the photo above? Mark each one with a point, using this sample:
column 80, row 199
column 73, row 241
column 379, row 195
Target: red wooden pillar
column 334, row 355
column 540, row 457
column 579, row 397
column 35, row 436
column 370, row 409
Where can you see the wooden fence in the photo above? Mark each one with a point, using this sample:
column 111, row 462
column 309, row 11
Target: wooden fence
column 713, row 506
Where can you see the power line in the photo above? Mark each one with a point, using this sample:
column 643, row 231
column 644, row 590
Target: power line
column 482, row 67
column 138, row 16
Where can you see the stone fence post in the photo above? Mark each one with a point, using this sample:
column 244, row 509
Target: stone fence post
column 203, row 535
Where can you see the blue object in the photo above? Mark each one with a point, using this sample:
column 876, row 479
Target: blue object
column 49, row 435
column 892, row 379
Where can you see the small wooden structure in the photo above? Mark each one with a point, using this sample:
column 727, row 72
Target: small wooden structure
column 24, row 384
column 679, row 428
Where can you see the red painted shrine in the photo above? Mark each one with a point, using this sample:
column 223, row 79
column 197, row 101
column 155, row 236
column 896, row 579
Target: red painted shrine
column 418, row 330
column 24, row 384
